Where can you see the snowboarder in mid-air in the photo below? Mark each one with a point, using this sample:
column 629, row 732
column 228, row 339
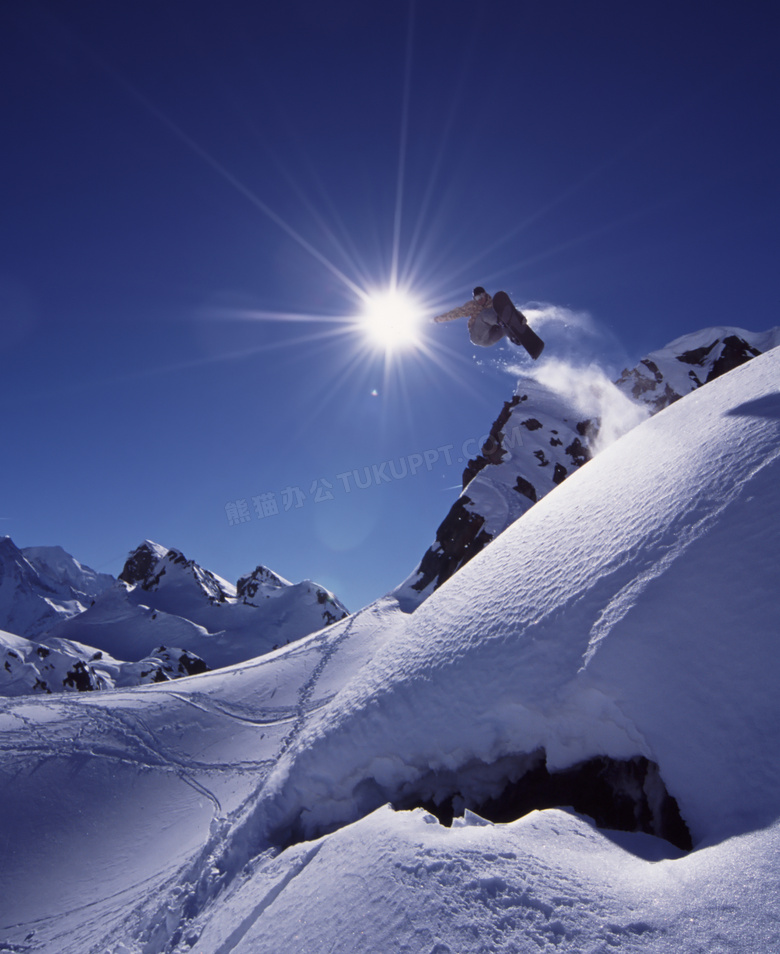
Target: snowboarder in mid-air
column 492, row 318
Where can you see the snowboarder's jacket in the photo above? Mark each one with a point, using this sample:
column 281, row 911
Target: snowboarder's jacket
column 485, row 329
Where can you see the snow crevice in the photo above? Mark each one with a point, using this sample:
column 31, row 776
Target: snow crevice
column 621, row 794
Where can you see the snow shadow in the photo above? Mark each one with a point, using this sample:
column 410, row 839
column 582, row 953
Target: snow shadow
column 767, row 406
column 622, row 795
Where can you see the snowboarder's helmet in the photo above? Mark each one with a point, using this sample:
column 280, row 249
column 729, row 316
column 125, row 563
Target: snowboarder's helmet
column 479, row 290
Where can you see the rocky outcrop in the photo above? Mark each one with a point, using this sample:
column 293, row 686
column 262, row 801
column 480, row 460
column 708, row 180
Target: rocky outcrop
column 666, row 375
column 536, row 441
column 263, row 584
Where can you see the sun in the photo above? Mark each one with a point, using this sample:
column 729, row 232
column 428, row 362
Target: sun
column 391, row 320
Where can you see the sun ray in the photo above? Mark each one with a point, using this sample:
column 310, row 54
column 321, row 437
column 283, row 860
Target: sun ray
column 228, row 176
column 402, row 148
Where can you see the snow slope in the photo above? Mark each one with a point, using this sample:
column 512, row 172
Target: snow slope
column 631, row 612
column 540, row 437
column 559, row 417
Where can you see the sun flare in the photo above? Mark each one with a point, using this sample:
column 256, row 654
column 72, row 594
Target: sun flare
column 391, row 320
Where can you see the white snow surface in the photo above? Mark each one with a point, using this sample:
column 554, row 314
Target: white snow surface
column 563, row 413
column 57, row 565
column 632, row 611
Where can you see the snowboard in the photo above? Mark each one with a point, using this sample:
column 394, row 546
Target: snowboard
column 518, row 330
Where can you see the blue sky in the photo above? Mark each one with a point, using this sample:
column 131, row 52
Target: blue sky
column 198, row 194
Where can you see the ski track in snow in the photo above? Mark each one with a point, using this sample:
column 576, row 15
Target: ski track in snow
column 329, row 649
column 129, row 739
column 265, row 716
column 197, row 885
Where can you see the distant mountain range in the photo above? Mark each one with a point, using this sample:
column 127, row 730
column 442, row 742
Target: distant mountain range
column 64, row 626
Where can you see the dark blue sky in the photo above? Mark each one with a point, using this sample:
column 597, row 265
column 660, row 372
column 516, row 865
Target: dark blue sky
column 183, row 178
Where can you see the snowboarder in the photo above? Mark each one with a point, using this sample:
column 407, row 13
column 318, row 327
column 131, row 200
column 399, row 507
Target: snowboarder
column 490, row 318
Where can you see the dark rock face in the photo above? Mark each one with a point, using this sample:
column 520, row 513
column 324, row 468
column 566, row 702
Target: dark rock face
column 526, row 488
column 248, row 586
column 139, row 566
column 492, row 449
column 147, row 565
column 81, row 678
column 537, row 450
column 460, row 537
column 735, row 352
column 174, row 663
column 190, row 665
column 647, row 381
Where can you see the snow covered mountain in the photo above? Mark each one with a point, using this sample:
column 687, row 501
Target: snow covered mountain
column 553, row 424
column 615, row 651
column 163, row 598
column 538, row 439
column 40, row 585
column 60, row 665
column 76, row 629
column 664, row 376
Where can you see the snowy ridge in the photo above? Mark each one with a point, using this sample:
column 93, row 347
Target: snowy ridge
column 157, row 569
column 630, row 614
column 539, row 438
column 664, row 376
column 540, row 638
column 556, row 421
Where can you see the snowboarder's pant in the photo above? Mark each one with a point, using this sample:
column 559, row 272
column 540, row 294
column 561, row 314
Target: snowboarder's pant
column 485, row 329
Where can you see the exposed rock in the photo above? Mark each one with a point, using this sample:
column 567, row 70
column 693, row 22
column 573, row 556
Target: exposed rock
column 260, row 581
column 492, row 450
column 526, row 488
column 459, row 537
column 149, row 563
column 523, row 458
column 658, row 380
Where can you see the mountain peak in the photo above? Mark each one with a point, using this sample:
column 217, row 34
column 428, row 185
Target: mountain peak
column 685, row 364
column 142, row 564
column 260, row 582
column 151, row 566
